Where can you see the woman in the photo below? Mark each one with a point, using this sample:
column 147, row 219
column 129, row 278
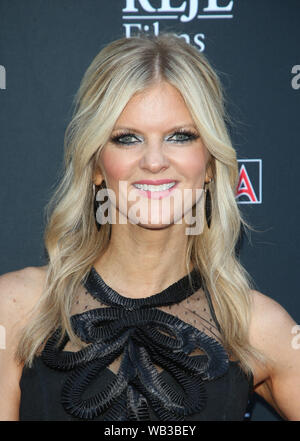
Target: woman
column 150, row 315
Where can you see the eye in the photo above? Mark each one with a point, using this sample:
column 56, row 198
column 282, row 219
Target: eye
column 125, row 139
column 183, row 136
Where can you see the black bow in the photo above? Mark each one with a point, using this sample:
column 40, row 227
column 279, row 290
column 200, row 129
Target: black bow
column 145, row 337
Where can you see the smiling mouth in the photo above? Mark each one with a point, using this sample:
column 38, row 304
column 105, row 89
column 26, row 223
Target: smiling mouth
column 161, row 187
column 156, row 191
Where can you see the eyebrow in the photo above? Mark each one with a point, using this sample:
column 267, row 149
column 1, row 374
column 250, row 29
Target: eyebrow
column 177, row 127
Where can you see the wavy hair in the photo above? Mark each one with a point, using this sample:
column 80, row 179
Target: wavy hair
column 72, row 241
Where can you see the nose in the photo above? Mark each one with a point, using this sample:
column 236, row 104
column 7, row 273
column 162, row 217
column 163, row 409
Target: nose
column 154, row 158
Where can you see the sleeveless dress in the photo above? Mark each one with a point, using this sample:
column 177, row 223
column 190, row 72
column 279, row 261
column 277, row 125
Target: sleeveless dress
column 156, row 358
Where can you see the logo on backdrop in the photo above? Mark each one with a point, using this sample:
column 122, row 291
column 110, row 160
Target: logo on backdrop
column 296, row 79
column 249, row 188
column 2, row 77
column 146, row 15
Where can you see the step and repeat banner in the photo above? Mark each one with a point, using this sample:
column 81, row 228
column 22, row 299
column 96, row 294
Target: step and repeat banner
column 45, row 48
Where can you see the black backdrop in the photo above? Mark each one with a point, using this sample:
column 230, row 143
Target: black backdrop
column 45, row 47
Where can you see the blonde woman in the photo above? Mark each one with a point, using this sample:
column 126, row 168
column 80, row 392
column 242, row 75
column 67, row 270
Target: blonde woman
column 143, row 311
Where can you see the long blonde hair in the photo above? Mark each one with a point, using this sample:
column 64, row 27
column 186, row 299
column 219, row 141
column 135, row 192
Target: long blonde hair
column 121, row 69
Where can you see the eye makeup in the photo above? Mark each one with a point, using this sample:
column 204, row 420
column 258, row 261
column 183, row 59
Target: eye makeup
column 179, row 136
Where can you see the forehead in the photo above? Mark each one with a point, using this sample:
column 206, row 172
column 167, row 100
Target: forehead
column 158, row 106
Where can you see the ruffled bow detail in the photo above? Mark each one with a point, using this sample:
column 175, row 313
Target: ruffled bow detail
column 146, row 337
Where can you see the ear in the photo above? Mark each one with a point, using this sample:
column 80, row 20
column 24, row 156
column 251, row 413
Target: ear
column 209, row 172
column 97, row 176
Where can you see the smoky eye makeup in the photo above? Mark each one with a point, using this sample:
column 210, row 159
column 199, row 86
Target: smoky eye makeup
column 125, row 138
column 182, row 135
column 179, row 136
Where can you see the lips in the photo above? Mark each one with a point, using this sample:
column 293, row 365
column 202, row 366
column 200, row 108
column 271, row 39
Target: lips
column 156, row 193
column 156, row 182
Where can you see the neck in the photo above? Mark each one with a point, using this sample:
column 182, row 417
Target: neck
column 143, row 261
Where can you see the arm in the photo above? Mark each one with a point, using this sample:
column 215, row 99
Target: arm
column 18, row 293
column 271, row 331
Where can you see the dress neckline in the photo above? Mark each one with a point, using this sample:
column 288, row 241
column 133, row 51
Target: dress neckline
column 174, row 293
column 144, row 336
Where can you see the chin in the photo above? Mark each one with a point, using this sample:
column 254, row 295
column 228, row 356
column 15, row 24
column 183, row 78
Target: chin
column 152, row 226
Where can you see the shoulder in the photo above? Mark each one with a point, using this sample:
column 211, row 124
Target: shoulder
column 271, row 327
column 270, row 332
column 269, row 320
column 273, row 331
column 19, row 292
column 267, row 312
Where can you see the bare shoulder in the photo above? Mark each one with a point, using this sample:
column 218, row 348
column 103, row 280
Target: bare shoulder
column 266, row 309
column 268, row 318
column 273, row 331
column 271, row 326
column 19, row 292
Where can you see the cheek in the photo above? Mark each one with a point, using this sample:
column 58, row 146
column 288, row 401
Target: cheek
column 115, row 166
column 193, row 165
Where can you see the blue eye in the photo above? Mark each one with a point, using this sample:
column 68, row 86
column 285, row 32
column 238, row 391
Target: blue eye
column 125, row 139
column 179, row 137
column 183, row 136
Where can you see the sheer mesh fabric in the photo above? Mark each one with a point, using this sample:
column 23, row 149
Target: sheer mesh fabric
column 142, row 358
column 194, row 310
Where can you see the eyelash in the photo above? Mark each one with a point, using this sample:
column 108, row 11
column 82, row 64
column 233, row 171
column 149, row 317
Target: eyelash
column 190, row 137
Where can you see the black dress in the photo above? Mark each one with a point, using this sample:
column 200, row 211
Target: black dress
column 157, row 358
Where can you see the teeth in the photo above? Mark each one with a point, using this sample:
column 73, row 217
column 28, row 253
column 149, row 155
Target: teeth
column 155, row 187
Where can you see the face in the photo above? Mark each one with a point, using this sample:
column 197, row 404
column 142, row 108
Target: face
column 154, row 139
